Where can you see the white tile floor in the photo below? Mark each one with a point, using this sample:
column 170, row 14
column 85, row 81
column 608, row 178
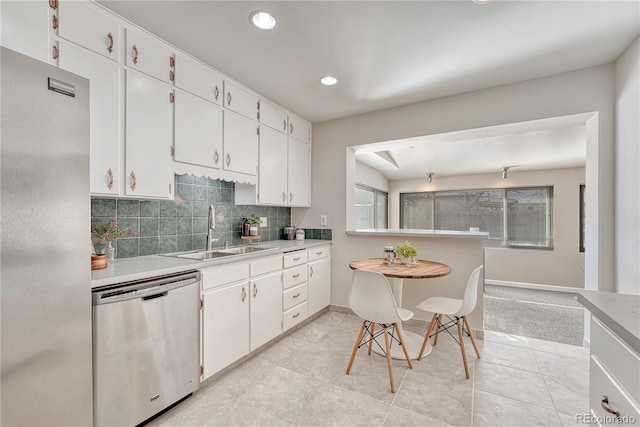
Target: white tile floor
column 301, row 381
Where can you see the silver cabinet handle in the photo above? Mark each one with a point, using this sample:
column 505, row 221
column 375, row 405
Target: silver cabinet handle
column 216, row 158
column 110, row 175
column 228, row 159
column 134, row 180
column 310, row 271
column 244, row 294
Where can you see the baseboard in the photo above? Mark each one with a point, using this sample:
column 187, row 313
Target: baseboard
column 532, row 286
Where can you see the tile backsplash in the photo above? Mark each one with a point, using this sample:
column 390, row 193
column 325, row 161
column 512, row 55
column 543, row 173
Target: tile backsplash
column 180, row 225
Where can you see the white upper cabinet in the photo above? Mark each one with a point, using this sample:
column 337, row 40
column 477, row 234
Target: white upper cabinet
column 84, row 24
column 299, row 128
column 240, row 144
column 148, row 137
column 197, row 79
column 148, row 55
column 238, row 99
column 272, row 176
column 299, row 172
column 198, row 131
column 273, row 116
column 105, row 115
column 24, row 27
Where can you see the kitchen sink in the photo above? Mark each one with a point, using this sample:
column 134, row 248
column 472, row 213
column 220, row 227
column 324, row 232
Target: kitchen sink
column 218, row 253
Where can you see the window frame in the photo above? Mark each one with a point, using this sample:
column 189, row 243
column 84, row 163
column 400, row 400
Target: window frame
column 376, row 192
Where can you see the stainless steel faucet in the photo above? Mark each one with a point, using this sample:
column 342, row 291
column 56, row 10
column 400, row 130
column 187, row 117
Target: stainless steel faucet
column 211, row 226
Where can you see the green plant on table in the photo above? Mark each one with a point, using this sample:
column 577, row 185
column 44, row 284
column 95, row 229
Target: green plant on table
column 406, row 250
column 254, row 220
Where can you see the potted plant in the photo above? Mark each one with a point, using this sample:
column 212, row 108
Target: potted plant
column 254, row 223
column 407, row 252
column 105, row 233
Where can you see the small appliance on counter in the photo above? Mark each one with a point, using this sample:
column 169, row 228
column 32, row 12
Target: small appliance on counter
column 299, row 234
column 289, row 233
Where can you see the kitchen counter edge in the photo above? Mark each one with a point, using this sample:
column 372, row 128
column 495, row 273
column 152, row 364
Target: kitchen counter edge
column 619, row 312
column 143, row 267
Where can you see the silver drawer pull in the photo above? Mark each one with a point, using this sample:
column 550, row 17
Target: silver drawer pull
column 296, row 295
column 297, row 258
column 295, row 276
column 295, row 316
column 319, row 253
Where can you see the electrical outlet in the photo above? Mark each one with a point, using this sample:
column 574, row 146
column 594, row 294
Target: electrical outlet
column 323, row 220
column 263, row 221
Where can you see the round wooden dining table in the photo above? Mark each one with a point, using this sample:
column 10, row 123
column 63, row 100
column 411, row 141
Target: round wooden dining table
column 397, row 272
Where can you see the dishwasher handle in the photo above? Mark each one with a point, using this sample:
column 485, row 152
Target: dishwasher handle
column 145, row 289
column 160, row 295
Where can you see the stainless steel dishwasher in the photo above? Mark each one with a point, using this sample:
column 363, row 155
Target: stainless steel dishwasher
column 145, row 347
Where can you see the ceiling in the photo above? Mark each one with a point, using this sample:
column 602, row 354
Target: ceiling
column 391, row 53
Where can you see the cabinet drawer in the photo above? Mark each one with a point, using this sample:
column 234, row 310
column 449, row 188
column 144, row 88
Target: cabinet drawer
column 602, row 384
column 294, row 276
column 622, row 362
column 294, row 296
column 294, row 258
column 227, row 273
column 265, row 265
column 318, row 252
column 294, row 316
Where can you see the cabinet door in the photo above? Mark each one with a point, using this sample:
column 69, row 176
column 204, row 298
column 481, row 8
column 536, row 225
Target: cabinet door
column 148, row 137
column 319, row 282
column 266, row 309
column 105, row 114
column 240, row 144
column 225, row 327
column 198, row 131
column 273, row 116
column 299, row 128
column 148, row 55
column 84, row 24
column 272, row 171
column 24, row 27
column 198, row 80
column 240, row 100
column 299, row 172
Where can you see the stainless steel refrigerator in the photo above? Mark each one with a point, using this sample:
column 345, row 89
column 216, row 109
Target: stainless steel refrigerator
column 45, row 290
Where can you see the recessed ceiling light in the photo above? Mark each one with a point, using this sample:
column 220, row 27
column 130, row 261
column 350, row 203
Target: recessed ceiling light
column 263, row 20
column 481, row 1
column 328, row 80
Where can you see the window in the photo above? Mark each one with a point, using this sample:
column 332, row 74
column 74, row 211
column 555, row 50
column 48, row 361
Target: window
column 371, row 208
column 516, row 217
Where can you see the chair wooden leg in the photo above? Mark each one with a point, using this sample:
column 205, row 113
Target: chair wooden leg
column 388, row 350
column 426, row 337
column 355, row 347
column 404, row 348
column 473, row 340
column 438, row 323
column 373, row 325
column 464, row 355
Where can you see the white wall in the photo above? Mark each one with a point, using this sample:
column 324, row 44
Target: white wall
column 370, row 177
column 627, row 175
column 562, row 266
column 587, row 90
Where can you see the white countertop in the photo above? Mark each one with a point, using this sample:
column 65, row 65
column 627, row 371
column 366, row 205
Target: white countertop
column 420, row 233
column 128, row 269
column 619, row 312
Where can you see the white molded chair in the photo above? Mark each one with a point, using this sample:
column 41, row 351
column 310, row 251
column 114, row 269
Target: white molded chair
column 456, row 311
column 372, row 300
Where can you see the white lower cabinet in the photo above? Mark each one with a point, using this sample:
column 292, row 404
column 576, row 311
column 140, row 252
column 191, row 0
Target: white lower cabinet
column 225, row 327
column 241, row 310
column 295, row 289
column 319, row 278
column 614, row 378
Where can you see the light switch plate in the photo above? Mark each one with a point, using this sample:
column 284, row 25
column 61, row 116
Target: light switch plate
column 263, row 221
column 323, row 220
